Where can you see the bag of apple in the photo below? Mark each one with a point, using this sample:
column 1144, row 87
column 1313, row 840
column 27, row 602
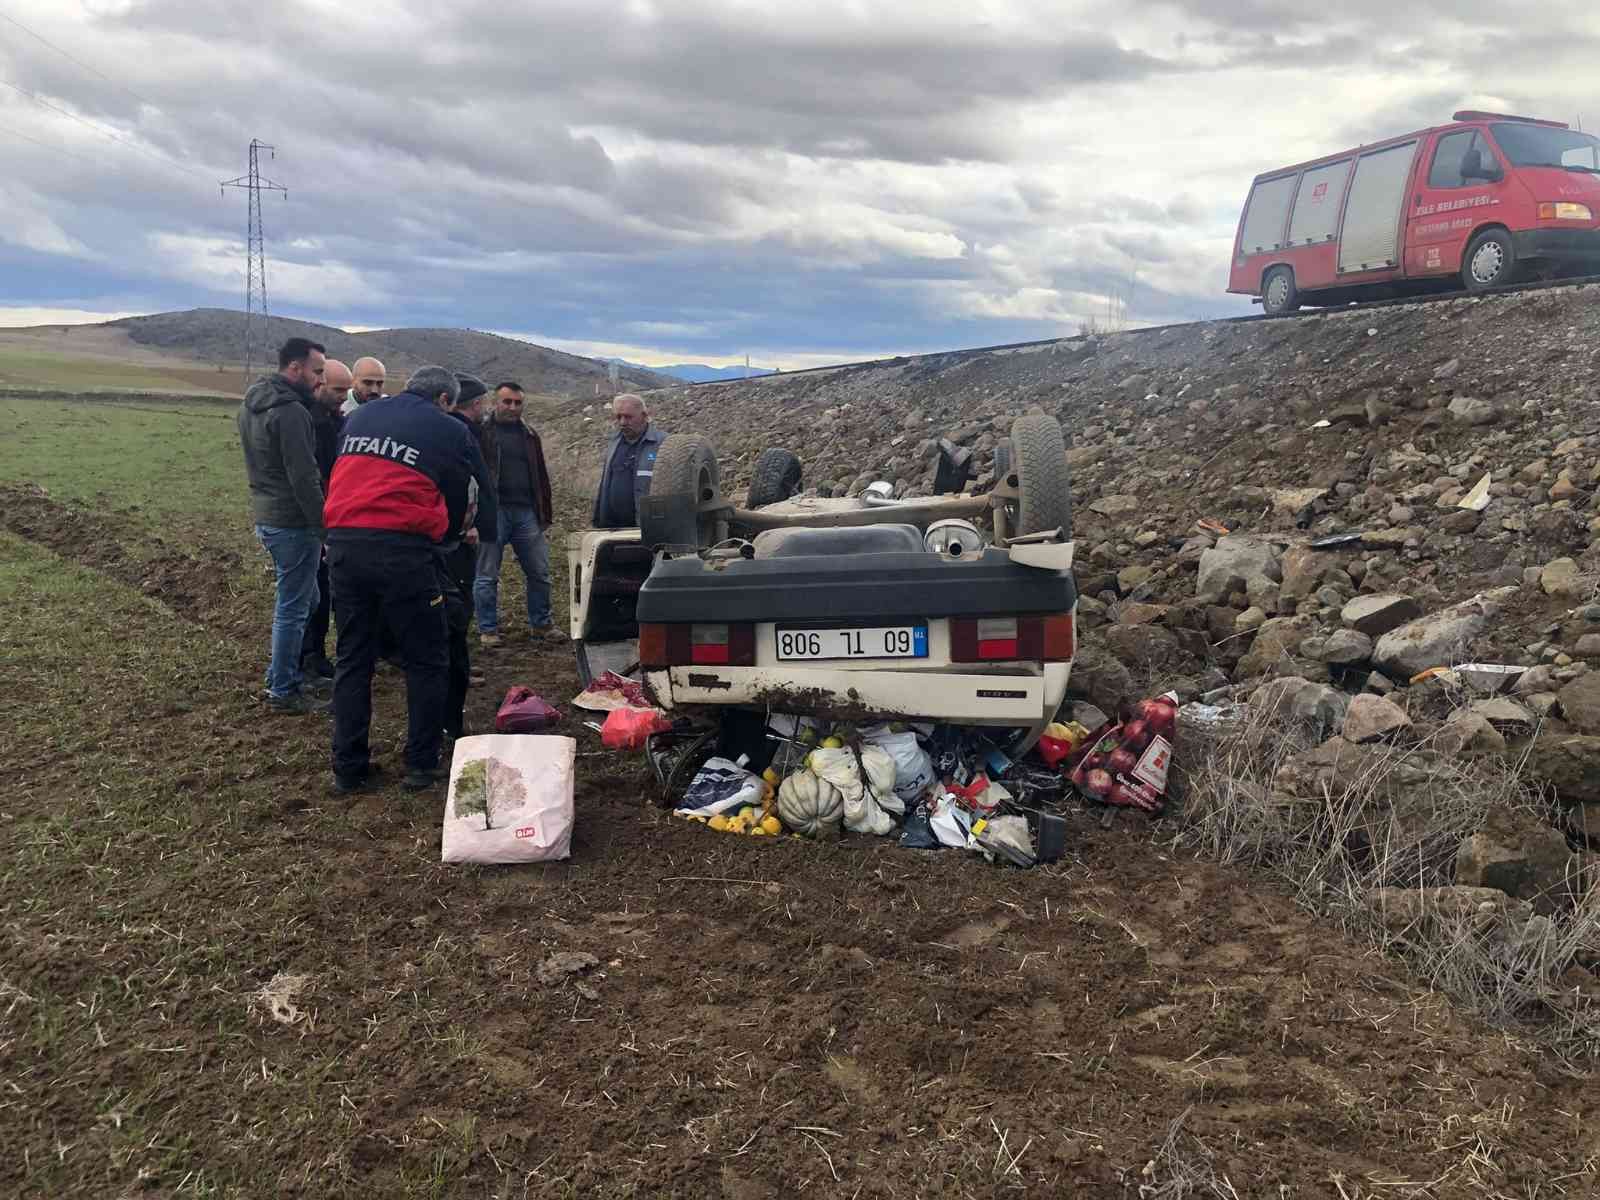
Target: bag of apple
column 1128, row 764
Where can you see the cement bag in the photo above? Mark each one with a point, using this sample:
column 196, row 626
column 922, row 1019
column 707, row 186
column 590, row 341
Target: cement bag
column 862, row 812
column 913, row 769
column 510, row 799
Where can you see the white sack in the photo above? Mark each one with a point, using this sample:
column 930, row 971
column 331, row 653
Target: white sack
column 862, row 813
column 913, row 768
column 510, row 799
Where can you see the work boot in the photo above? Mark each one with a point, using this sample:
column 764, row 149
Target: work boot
column 489, row 639
column 420, row 779
column 297, row 704
column 550, row 634
column 347, row 785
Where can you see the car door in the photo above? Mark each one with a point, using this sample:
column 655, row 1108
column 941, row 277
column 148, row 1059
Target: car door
column 1448, row 205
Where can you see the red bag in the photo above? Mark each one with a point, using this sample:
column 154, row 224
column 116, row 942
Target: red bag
column 1128, row 764
column 627, row 728
column 522, row 711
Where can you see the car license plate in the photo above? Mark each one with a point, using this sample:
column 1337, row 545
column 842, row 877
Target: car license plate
column 872, row 641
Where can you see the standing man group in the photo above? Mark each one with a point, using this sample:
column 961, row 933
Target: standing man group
column 515, row 457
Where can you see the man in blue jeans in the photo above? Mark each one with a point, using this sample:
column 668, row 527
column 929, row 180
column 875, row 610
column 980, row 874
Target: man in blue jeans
column 522, row 486
column 280, row 460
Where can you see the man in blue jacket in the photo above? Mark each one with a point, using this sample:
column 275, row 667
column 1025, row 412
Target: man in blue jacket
column 629, row 462
column 398, row 502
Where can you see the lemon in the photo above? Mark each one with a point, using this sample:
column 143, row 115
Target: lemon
column 757, row 831
column 747, row 813
column 832, row 743
column 771, row 826
column 718, row 822
column 698, row 820
column 770, row 777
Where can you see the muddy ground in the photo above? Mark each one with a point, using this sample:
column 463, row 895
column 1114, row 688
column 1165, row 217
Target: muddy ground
column 764, row 1019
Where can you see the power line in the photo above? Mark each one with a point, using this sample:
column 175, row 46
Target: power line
column 77, row 61
column 100, row 129
column 57, row 149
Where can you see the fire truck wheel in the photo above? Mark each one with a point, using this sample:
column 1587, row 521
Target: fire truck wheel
column 1278, row 292
column 1491, row 261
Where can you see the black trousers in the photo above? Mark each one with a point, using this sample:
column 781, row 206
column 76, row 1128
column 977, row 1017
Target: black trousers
column 457, row 570
column 378, row 584
column 315, row 645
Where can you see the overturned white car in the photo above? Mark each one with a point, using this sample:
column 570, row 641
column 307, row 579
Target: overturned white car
column 854, row 609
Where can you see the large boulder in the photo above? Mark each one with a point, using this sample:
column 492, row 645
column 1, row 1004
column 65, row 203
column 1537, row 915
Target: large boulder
column 1568, row 764
column 1374, row 719
column 1436, row 640
column 1100, row 679
column 1377, row 615
column 1315, row 707
column 1237, row 564
column 1303, row 569
column 1520, row 856
column 1276, row 641
column 1562, row 580
column 1140, row 643
column 1469, row 733
column 1580, row 703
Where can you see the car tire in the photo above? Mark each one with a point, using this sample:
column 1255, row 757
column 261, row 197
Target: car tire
column 1044, row 481
column 1279, row 292
column 776, row 477
column 685, row 476
column 1490, row 261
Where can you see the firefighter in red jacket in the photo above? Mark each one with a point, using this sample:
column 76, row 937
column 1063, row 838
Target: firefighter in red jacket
column 397, row 505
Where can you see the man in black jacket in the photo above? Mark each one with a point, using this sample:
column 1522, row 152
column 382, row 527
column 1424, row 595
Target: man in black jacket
column 326, row 424
column 522, row 486
column 398, row 499
column 276, row 432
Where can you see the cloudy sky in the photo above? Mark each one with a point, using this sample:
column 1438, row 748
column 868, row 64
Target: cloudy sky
column 691, row 180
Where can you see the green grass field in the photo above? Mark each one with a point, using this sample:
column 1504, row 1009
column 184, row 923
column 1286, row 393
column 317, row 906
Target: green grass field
column 50, row 370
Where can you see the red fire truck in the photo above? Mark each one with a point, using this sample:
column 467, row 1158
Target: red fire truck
column 1479, row 203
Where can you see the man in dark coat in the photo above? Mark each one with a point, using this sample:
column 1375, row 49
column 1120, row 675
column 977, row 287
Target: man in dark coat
column 522, row 487
column 397, row 501
column 326, row 424
column 279, row 442
column 628, row 464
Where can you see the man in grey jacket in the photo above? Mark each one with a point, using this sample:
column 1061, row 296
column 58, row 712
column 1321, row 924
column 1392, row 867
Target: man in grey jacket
column 628, row 465
column 280, row 459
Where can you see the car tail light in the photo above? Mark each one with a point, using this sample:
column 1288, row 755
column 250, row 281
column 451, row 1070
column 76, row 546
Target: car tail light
column 697, row 645
column 1012, row 639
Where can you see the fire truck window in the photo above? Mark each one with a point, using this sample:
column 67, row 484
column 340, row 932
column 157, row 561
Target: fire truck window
column 1446, row 170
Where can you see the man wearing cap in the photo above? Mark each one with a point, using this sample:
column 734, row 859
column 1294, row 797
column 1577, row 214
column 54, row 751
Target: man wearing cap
column 326, row 424
column 522, row 487
column 370, row 377
column 397, row 504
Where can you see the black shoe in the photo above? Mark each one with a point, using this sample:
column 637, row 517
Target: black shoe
column 318, row 667
column 347, row 785
column 418, row 780
column 297, row 704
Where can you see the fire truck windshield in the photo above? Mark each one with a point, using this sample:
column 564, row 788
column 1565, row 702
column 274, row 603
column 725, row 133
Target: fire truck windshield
column 1546, row 146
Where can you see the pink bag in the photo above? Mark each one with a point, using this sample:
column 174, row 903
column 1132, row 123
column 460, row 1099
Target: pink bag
column 627, row 728
column 522, row 711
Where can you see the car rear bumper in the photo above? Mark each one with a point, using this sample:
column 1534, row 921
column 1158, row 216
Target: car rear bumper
column 968, row 698
column 1567, row 245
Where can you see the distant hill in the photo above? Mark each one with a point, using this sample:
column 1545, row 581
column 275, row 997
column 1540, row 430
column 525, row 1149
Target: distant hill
column 216, row 335
column 699, row 372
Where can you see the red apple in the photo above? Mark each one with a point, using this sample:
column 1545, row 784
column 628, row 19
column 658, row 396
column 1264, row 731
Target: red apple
column 1123, row 761
column 1098, row 783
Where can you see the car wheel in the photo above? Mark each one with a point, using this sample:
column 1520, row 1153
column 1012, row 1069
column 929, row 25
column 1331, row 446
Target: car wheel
column 1491, row 261
column 1044, row 481
column 1279, row 294
column 685, row 477
column 775, row 479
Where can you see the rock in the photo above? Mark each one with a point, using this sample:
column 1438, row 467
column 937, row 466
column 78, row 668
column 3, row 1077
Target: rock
column 1435, row 640
column 1519, row 856
column 1461, row 521
column 1534, row 471
column 1140, row 643
column 1560, row 579
column 1468, row 733
column 1580, row 703
column 1504, row 714
column 1146, row 539
column 1140, row 614
column 1588, row 646
column 1291, row 502
column 1389, row 539
column 1583, row 820
column 1448, row 370
column 1374, row 719
column 1233, row 564
column 1116, row 506
column 1249, row 620
column 1377, row 615
column 1379, row 684
column 1302, row 569
column 1563, row 488
column 1468, row 411
column 1276, row 640
column 1089, row 716
column 1569, row 764
column 1100, row 679
column 1133, row 577
column 1346, row 648
column 1424, row 911
column 1316, row 707
column 1534, row 681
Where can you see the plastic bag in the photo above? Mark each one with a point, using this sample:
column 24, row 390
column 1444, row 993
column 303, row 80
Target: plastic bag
column 523, row 711
column 981, row 797
column 913, row 768
column 718, row 787
column 950, row 823
column 917, row 833
column 1128, row 765
column 510, row 799
column 1058, row 741
column 627, row 728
